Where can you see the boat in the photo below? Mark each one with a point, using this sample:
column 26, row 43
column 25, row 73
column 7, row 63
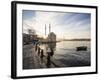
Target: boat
column 81, row 48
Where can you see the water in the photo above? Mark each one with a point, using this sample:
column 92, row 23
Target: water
column 65, row 53
column 65, row 47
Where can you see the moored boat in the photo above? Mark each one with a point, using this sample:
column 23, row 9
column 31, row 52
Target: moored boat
column 81, row 48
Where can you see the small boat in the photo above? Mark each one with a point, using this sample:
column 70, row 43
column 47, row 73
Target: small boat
column 81, row 48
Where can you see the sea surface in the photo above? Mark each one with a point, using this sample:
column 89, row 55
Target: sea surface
column 65, row 54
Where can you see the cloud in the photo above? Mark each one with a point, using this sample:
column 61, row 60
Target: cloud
column 62, row 24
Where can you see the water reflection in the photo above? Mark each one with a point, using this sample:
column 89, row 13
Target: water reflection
column 64, row 54
column 50, row 48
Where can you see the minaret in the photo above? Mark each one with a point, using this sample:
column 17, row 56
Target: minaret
column 45, row 29
column 49, row 28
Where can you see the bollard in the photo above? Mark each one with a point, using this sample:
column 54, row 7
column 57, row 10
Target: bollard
column 38, row 51
column 52, row 52
column 36, row 47
column 41, row 53
column 48, row 58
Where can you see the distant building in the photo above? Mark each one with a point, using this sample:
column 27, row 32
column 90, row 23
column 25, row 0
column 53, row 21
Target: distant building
column 51, row 37
column 30, row 37
column 26, row 38
column 31, row 32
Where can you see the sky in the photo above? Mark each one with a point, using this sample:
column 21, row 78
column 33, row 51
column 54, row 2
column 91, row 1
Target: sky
column 66, row 25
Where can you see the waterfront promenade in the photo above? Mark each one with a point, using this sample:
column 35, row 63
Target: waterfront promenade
column 32, row 59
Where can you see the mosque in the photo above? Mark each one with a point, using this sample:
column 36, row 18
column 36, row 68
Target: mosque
column 51, row 36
